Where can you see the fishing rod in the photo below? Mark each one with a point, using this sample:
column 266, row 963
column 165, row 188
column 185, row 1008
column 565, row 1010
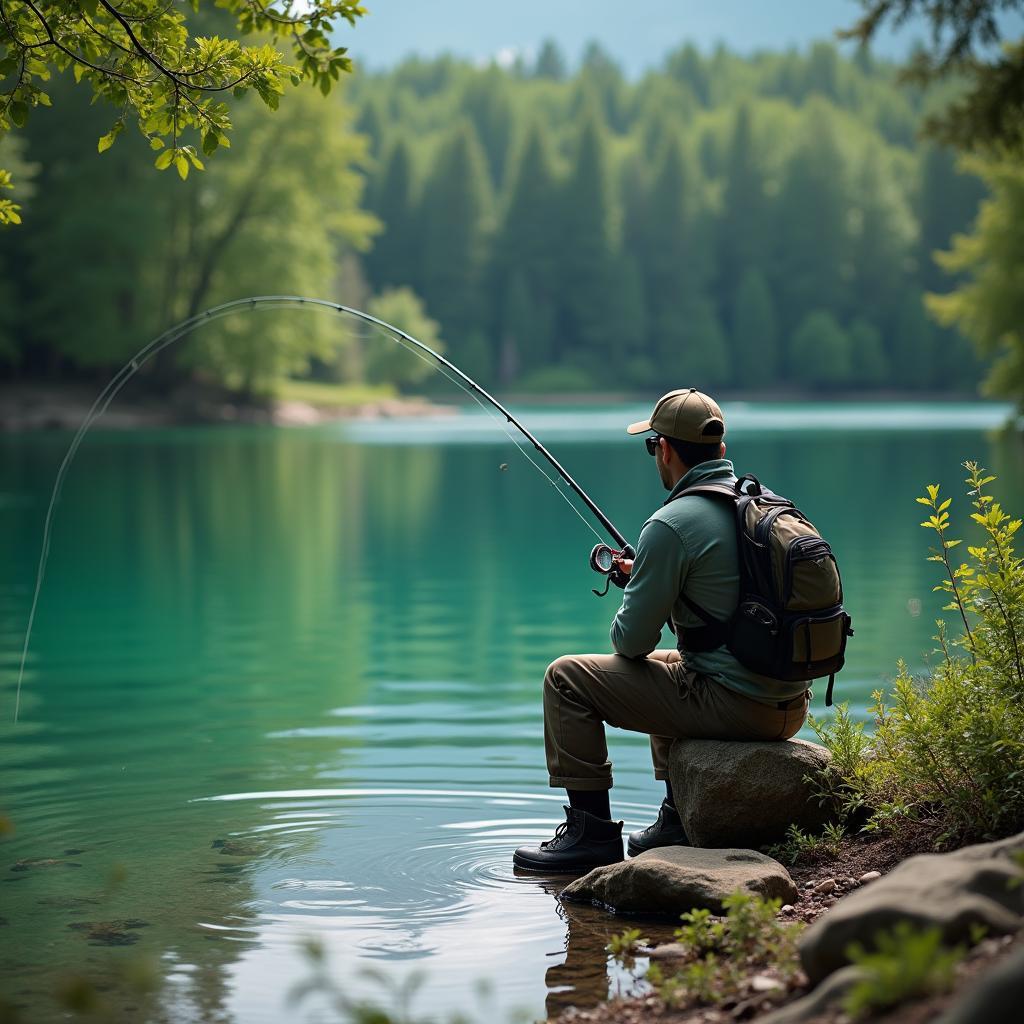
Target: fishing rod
column 603, row 558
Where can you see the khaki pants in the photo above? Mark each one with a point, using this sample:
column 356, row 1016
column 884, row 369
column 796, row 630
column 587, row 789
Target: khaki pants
column 656, row 695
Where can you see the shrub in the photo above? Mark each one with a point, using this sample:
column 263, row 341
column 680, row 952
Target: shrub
column 947, row 753
column 905, row 964
column 723, row 952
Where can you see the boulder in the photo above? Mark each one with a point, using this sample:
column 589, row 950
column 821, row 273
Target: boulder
column 675, row 879
column 996, row 996
column 734, row 793
column 813, row 1006
column 979, row 885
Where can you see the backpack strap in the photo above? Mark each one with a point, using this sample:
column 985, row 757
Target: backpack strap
column 714, row 633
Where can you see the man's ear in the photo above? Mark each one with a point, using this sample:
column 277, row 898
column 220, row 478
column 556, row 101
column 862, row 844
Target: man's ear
column 722, row 453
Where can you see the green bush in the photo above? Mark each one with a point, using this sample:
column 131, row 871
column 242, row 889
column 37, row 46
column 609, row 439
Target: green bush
column 906, row 964
column 723, row 952
column 947, row 752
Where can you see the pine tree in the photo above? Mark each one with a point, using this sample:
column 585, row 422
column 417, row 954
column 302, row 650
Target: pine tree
column 811, row 224
column 393, row 261
column 486, row 102
column 456, row 207
column 743, row 228
column 588, row 247
column 870, row 363
column 881, row 244
column 550, row 62
column 820, row 353
column 677, row 258
column 755, row 334
column 913, row 349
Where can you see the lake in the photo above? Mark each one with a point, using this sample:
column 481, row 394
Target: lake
column 285, row 685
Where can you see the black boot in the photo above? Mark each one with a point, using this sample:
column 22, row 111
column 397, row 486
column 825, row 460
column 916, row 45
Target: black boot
column 666, row 831
column 580, row 843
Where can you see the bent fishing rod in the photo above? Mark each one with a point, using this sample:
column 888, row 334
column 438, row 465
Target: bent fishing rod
column 603, row 558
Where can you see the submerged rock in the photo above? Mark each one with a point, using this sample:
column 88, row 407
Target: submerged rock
column 110, row 933
column 675, row 879
column 43, row 862
column 955, row 892
column 745, row 795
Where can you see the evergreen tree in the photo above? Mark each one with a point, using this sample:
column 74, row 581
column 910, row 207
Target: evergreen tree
column 870, row 364
column 881, row 245
column 743, row 228
column 755, row 334
column 528, row 245
column 913, row 348
column 678, row 251
column 820, row 353
column 550, row 62
column 703, row 357
column 811, row 224
column 393, row 261
column 486, row 102
column 587, row 252
column 456, row 207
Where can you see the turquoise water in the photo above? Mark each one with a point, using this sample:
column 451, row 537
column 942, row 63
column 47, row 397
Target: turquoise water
column 285, row 684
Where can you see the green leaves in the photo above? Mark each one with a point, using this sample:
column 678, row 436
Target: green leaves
column 106, row 141
column 169, row 82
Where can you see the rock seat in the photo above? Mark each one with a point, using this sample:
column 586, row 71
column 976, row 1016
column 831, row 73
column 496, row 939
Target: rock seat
column 742, row 794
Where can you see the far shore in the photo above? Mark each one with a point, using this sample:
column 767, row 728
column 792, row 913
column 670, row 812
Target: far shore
column 38, row 406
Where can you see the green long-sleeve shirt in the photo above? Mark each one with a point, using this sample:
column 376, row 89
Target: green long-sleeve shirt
column 689, row 545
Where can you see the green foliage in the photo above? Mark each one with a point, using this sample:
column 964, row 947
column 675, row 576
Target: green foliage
column 802, row 846
column 384, row 360
column 626, row 943
column 989, row 113
column 145, row 61
column 988, row 305
column 947, row 752
column 722, row 952
column 903, row 964
column 820, row 354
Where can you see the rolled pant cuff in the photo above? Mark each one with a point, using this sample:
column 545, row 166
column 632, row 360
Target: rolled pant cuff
column 561, row 782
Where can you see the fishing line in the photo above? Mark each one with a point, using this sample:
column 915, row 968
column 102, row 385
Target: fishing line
column 263, row 303
column 504, row 426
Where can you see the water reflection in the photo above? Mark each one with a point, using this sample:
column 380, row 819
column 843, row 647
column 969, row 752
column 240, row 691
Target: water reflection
column 289, row 684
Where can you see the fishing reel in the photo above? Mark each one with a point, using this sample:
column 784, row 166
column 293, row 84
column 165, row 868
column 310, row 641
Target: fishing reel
column 604, row 560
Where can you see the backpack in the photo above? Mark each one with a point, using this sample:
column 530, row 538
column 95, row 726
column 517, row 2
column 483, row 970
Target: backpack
column 790, row 623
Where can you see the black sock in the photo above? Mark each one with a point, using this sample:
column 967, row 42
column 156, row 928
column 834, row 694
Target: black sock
column 593, row 801
column 669, row 798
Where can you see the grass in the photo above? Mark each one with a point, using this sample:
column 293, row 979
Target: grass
column 325, row 395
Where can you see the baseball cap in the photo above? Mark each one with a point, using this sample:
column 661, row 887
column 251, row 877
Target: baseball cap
column 686, row 415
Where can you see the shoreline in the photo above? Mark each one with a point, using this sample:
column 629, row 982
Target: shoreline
column 822, row 880
column 38, row 407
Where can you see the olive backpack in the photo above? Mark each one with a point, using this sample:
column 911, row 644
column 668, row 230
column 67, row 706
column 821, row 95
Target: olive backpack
column 790, row 622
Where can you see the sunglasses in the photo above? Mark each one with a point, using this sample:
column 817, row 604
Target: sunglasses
column 652, row 443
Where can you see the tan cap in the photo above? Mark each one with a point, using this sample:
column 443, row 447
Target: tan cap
column 686, row 415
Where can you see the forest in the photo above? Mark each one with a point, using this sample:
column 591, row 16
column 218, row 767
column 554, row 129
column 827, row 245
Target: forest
column 762, row 224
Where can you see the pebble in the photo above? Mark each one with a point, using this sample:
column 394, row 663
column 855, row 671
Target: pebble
column 764, row 983
column 825, row 887
column 869, row 876
column 787, row 909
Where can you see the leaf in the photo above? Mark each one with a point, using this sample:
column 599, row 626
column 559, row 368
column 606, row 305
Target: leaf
column 106, row 141
column 210, row 143
column 18, row 112
column 181, row 165
column 945, row 504
column 163, row 161
column 155, row 143
column 933, row 491
column 924, row 501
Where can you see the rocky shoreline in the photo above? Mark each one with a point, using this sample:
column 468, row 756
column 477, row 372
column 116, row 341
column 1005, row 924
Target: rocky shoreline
column 892, row 898
column 37, row 409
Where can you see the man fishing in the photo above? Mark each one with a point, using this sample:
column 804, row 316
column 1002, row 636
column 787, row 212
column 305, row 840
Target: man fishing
column 686, row 558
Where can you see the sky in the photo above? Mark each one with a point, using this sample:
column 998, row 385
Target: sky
column 638, row 33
